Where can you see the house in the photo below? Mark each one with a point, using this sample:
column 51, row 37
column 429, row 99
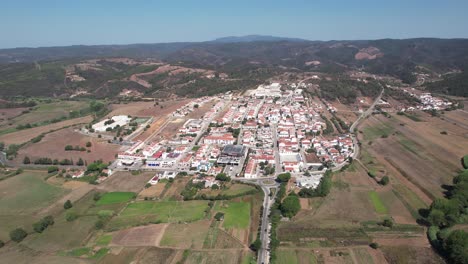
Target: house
column 251, row 169
column 154, row 180
column 222, row 139
column 77, row 174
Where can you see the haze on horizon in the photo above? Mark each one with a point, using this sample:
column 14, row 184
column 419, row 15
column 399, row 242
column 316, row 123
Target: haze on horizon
column 30, row 23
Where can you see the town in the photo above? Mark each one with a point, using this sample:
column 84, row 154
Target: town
column 270, row 130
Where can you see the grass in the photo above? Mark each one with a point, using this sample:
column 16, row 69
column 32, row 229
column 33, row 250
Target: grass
column 104, row 240
column 116, row 197
column 78, row 252
column 465, row 161
column 412, row 117
column 410, row 200
column 377, row 202
column 409, row 145
column 373, row 132
column 286, row 256
column 100, row 253
column 236, row 214
column 144, row 212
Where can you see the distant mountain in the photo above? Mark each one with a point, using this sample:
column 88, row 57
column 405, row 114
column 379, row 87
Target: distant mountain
column 254, row 38
column 249, row 58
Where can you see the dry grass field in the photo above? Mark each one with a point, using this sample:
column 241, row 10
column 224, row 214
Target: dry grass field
column 126, row 182
column 416, row 150
column 53, row 146
column 149, row 235
column 23, row 136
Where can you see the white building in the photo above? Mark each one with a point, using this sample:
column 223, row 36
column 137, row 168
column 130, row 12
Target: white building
column 120, row 120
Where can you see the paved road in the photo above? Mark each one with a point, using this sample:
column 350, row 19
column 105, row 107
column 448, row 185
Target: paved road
column 265, row 229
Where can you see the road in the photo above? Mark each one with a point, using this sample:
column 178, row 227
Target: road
column 263, row 254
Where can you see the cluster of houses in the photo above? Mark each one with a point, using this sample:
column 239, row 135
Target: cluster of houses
column 189, row 107
column 428, row 102
column 269, row 129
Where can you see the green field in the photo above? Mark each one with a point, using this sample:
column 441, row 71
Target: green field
column 377, row 202
column 236, row 214
column 144, row 212
column 116, row 197
column 27, row 193
column 373, row 132
column 286, row 256
column 104, row 240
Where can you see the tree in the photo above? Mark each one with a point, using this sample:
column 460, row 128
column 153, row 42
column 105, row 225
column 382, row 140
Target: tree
column 384, row 181
column 387, row 223
column 96, row 196
column 67, row 205
column 2, row 146
column 290, row 206
column 26, row 160
column 88, row 144
column 456, row 246
column 18, row 235
column 284, row 177
column 52, row 169
column 256, row 245
column 80, row 162
column 374, row 245
column 219, row 216
column 2, row 243
column 223, row 177
column 45, row 222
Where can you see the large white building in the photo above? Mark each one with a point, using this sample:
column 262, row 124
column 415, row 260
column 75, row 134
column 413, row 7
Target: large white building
column 120, row 120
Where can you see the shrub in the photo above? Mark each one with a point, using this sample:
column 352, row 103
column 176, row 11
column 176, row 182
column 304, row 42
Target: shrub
column 88, row 144
column 219, row 216
column 71, row 216
column 18, row 235
column 52, row 169
column 2, row 243
column 374, row 245
column 26, row 160
column 384, row 181
column 387, row 223
column 97, row 196
column 256, row 245
column 99, row 224
column 67, row 205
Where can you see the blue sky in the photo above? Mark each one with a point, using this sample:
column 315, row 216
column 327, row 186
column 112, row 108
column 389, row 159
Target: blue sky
column 36, row 23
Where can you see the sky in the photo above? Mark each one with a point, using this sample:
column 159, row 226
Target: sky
column 40, row 23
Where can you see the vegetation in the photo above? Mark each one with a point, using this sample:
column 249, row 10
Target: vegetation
column 45, row 222
column 18, row 235
column 283, row 177
column 445, row 213
column 67, row 205
column 290, row 205
column 115, row 197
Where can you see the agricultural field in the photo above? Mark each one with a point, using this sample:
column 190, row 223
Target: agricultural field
column 144, row 212
column 236, row 214
column 19, row 206
column 416, row 150
column 23, row 136
column 115, row 197
column 41, row 114
column 124, row 181
column 53, row 146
